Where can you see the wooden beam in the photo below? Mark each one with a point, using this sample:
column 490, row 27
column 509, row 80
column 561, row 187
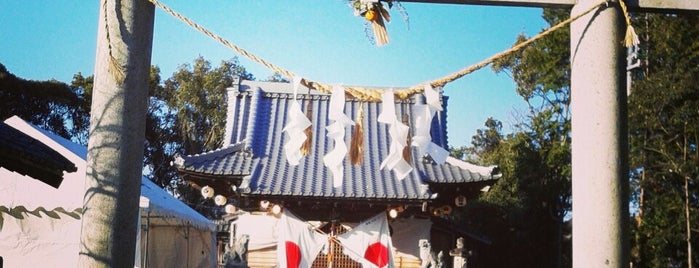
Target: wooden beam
column 662, row 6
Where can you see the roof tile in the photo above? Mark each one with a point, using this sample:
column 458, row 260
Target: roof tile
column 255, row 132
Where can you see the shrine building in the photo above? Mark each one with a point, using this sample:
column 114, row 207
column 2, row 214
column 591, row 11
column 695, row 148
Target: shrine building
column 252, row 172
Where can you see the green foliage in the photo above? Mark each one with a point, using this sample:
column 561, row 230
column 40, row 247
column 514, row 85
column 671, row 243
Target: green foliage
column 663, row 127
column 185, row 114
column 194, row 97
column 487, row 140
column 277, row 77
column 51, row 105
column 525, row 211
column 82, row 86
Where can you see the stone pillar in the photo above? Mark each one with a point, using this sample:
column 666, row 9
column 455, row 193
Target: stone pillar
column 599, row 138
column 117, row 134
column 459, row 254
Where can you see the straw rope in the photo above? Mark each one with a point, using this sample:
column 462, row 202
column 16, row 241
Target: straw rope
column 116, row 69
column 374, row 94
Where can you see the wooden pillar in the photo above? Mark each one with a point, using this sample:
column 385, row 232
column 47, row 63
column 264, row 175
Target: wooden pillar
column 117, row 127
column 599, row 138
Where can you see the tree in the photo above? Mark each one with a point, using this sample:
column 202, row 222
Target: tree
column 194, row 97
column 487, row 140
column 186, row 115
column 530, row 202
column 51, row 105
column 277, row 77
column 664, row 131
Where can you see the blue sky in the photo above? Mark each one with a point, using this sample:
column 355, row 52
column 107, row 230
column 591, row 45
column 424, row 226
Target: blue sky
column 317, row 39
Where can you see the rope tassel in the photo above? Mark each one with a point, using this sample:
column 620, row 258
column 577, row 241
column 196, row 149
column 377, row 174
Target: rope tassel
column 630, row 38
column 306, row 147
column 356, row 152
column 407, row 152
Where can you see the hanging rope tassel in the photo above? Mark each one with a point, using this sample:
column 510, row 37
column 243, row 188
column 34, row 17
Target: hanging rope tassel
column 378, row 25
column 356, row 151
column 306, row 147
column 407, row 152
column 631, row 38
column 116, row 69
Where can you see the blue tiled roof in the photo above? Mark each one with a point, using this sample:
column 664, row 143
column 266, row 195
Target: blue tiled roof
column 231, row 160
column 253, row 150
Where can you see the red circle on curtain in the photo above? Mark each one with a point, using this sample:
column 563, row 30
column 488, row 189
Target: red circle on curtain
column 377, row 254
column 293, row 254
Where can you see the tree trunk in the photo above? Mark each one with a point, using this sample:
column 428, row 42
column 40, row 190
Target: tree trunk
column 686, row 200
column 117, row 127
column 689, row 225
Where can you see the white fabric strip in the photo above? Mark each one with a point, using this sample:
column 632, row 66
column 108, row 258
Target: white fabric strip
column 432, row 98
column 297, row 122
column 422, row 139
column 336, row 132
column 398, row 133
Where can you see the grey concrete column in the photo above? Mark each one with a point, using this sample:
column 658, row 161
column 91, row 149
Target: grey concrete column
column 599, row 138
column 117, row 134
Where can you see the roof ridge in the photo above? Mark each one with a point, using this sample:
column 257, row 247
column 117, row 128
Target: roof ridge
column 223, row 151
column 491, row 170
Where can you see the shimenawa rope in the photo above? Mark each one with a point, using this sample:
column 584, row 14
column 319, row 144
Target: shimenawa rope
column 374, row 94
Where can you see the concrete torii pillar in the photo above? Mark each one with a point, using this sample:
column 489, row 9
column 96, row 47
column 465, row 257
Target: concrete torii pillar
column 117, row 134
column 600, row 187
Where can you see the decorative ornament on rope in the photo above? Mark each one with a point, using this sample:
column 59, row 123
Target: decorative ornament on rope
column 336, row 132
column 398, row 133
column 374, row 12
column 423, row 120
column 377, row 16
column 295, row 128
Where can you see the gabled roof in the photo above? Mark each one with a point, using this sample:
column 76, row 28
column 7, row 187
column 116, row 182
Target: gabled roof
column 159, row 205
column 27, row 156
column 253, row 150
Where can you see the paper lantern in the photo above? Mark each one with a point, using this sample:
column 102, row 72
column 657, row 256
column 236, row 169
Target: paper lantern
column 230, row 209
column 276, row 209
column 446, row 210
column 207, row 192
column 220, row 200
column 460, row 201
column 264, row 204
column 393, row 213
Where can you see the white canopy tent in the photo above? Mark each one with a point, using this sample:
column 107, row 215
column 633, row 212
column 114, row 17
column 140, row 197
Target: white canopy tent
column 40, row 225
